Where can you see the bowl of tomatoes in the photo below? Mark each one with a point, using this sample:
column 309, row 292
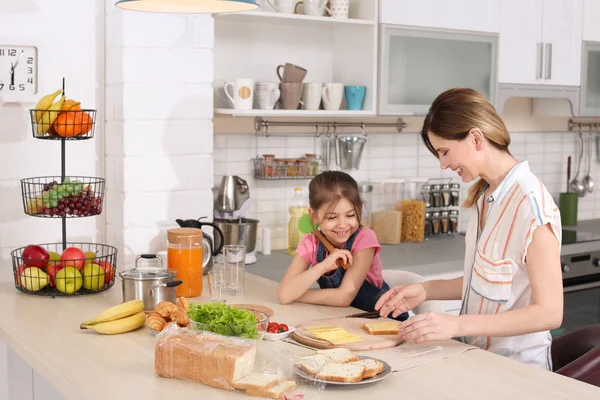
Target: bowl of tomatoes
column 277, row 331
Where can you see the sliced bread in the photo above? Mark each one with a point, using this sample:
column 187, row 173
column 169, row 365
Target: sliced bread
column 372, row 367
column 341, row 372
column 382, row 328
column 340, row 355
column 258, row 381
column 276, row 392
column 312, row 364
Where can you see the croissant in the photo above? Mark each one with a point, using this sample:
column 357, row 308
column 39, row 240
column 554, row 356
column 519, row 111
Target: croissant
column 180, row 317
column 183, row 304
column 156, row 321
column 165, row 308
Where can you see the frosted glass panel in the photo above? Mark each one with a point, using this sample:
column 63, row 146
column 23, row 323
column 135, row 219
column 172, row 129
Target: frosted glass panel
column 593, row 79
column 420, row 68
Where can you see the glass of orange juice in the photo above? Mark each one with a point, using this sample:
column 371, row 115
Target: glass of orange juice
column 184, row 255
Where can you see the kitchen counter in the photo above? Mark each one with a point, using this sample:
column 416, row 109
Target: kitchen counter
column 84, row 365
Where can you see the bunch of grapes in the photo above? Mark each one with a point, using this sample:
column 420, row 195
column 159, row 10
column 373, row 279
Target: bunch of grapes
column 69, row 198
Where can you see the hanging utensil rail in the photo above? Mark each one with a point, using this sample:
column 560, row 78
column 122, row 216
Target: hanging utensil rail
column 261, row 126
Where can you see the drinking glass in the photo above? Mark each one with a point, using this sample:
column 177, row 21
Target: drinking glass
column 217, row 285
column 235, row 265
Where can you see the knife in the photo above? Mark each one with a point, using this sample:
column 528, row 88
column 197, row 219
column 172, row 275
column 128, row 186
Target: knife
column 370, row 314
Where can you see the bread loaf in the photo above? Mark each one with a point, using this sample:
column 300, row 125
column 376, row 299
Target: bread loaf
column 214, row 361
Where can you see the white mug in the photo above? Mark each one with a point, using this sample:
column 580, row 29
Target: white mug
column 314, row 8
column 243, row 93
column 283, row 6
column 311, row 95
column 333, row 93
column 339, row 8
column 267, row 94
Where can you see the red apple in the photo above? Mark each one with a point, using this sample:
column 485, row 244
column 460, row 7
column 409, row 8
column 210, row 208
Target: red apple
column 109, row 270
column 20, row 269
column 52, row 270
column 35, row 256
column 73, row 257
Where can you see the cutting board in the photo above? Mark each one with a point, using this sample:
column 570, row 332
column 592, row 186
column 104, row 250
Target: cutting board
column 352, row 325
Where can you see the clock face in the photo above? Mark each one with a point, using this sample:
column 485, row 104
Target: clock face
column 18, row 70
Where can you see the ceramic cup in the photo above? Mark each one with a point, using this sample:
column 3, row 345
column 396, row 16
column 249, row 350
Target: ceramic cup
column 242, row 95
column 333, row 93
column 290, row 95
column 267, row 94
column 355, row 96
column 283, row 6
column 311, row 95
column 291, row 73
column 314, row 8
column 339, row 9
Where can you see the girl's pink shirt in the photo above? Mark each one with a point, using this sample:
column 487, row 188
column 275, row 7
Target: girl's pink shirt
column 365, row 239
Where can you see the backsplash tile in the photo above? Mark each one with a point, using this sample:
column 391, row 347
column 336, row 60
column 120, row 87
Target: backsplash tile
column 387, row 156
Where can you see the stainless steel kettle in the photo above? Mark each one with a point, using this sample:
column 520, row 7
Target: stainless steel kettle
column 208, row 248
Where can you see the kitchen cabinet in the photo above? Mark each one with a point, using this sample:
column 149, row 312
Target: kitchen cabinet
column 540, row 42
column 417, row 64
column 591, row 27
column 590, row 80
column 467, row 15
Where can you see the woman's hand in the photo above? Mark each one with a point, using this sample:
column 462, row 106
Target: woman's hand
column 429, row 326
column 330, row 263
column 400, row 299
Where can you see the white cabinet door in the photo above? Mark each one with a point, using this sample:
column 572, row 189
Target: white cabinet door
column 591, row 27
column 520, row 43
column 469, row 15
column 562, row 36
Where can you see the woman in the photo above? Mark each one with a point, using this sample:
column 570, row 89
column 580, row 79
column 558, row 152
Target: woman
column 511, row 291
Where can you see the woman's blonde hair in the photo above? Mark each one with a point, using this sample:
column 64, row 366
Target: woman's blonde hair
column 453, row 114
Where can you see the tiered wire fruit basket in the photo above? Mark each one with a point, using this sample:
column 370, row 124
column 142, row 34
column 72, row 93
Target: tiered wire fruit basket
column 65, row 268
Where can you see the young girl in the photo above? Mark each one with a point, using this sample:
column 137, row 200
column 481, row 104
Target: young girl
column 512, row 288
column 335, row 206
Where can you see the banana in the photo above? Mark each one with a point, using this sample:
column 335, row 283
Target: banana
column 43, row 105
column 49, row 116
column 115, row 313
column 122, row 325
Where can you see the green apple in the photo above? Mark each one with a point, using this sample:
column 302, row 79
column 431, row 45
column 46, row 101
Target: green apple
column 68, row 280
column 89, row 256
column 34, row 279
column 54, row 258
column 93, row 277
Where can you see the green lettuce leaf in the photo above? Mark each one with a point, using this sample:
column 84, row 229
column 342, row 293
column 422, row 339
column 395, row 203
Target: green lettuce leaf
column 224, row 320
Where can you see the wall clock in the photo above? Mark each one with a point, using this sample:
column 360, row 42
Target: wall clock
column 18, row 72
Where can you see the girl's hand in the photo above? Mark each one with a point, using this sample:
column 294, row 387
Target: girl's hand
column 330, row 263
column 400, row 299
column 429, row 326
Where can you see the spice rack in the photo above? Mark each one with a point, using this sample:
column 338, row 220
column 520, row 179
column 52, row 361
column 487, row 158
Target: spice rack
column 270, row 168
column 442, row 200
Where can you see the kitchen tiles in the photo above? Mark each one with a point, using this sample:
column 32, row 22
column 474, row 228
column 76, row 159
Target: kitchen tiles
column 388, row 156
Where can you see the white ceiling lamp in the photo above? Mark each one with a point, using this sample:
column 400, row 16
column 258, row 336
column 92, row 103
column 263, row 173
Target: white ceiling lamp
column 188, row 6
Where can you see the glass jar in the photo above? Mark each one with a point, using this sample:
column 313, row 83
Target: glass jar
column 302, row 167
column 268, row 166
column 426, row 194
column 366, row 195
column 454, row 194
column 446, row 201
column 412, row 188
column 313, row 164
column 454, row 221
column 393, row 192
column 427, row 224
column 445, row 222
column 435, row 223
column 184, row 255
column 281, row 168
column 436, row 196
column 292, row 168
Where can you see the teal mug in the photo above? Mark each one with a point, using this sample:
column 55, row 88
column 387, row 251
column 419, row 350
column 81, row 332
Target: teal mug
column 355, row 96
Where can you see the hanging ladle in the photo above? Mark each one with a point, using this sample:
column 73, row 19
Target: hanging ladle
column 576, row 185
column 588, row 182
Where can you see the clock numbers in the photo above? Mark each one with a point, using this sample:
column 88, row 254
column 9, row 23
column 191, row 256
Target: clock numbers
column 18, row 71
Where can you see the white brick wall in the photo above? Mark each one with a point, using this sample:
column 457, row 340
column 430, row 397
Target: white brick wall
column 387, row 156
column 159, row 125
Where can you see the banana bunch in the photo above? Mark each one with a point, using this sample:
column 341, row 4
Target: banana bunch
column 122, row 318
column 46, row 112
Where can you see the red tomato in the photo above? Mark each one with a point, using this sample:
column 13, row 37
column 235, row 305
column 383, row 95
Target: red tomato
column 282, row 328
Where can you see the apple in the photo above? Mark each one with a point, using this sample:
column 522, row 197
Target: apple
column 53, row 260
column 73, row 257
column 52, row 270
column 68, row 280
column 109, row 271
column 93, row 277
column 34, row 279
column 18, row 273
column 35, row 256
column 89, row 257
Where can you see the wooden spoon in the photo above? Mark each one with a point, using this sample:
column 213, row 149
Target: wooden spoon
column 305, row 225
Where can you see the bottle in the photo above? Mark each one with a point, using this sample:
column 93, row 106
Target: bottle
column 298, row 207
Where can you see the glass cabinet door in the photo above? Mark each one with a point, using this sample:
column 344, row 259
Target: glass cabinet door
column 590, row 80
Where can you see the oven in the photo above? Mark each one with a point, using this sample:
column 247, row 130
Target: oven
column 580, row 262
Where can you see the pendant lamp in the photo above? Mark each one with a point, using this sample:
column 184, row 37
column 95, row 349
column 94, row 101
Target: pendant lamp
column 188, row 6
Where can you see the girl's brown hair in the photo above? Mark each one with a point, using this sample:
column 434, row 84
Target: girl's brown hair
column 453, row 114
column 330, row 186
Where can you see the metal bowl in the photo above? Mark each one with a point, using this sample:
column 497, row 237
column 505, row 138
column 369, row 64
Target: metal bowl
column 242, row 231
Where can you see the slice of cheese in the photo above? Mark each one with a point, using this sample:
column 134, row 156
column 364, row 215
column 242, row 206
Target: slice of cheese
column 334, row 334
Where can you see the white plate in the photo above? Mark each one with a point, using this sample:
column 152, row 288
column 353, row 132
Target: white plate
column 387, row 371
column 279, row 336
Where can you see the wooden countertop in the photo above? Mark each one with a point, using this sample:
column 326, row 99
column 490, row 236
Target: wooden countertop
column 85, row 365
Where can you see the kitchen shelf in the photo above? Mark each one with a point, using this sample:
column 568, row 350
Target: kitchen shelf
column 261, row 17
column 294, row 113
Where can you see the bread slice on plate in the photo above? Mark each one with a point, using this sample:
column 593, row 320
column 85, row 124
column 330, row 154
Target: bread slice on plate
column 340, row 355
column 258, row 381
column 372, row 367
column 341, row 372
column 382, row 328
column 312, row 364
column 276, row 392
